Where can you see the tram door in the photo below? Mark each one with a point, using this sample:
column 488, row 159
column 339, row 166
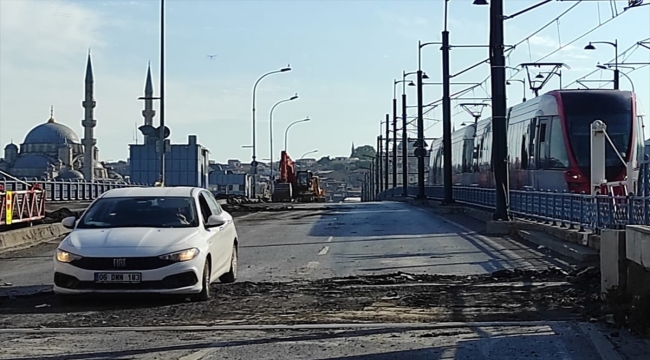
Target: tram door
column 541, row 152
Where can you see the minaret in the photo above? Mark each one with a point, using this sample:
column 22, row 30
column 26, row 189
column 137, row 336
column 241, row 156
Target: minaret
column 148, row 113
column 352, row 151
column 89, row 124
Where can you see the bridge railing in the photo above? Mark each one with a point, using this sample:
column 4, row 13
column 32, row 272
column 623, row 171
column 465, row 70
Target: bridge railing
column 564, row 209
column 66, row 190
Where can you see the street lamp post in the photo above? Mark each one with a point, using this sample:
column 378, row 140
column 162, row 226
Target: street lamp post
column 523, row 82
column 590, row 46
column 387, row 141
column 380, row 150
column 286, row 131
column 161, row 134
column 621, row 73
column 405, row 132
column 395, row 82
column 446, row 114
column 419, row 144
column 271, row 133
column 254, row 163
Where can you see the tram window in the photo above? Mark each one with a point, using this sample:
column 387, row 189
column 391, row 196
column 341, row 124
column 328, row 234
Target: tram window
column 640, row 146
column 542, row 152
column 558, row 158
column 524, row 153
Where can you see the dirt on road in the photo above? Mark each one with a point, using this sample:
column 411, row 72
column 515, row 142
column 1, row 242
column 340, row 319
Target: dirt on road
column 502, row 296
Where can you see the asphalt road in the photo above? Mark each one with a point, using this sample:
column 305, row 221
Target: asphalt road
column 346, row 239
column 550, row 341
column 312, row 243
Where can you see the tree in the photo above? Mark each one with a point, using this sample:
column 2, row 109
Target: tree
column 324, row 161
column 364, row 152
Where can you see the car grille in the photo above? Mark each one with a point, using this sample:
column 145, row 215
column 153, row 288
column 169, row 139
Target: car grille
column 129, row 263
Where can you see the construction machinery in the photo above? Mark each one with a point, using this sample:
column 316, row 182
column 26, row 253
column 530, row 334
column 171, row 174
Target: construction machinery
column 301, row 186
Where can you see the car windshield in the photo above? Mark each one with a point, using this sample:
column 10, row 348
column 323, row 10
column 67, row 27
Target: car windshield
column 157, row 212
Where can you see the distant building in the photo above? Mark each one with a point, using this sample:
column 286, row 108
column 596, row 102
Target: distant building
column 223, row 182
column 185, row 164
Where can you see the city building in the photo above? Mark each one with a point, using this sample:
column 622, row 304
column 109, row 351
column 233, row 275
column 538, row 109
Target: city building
column 185, row 164
column 227, row 183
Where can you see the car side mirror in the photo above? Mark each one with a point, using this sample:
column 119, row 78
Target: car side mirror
column 69, row 222
column 215, row 221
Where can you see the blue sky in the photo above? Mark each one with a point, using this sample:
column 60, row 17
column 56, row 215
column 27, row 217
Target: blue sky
column 344, row 55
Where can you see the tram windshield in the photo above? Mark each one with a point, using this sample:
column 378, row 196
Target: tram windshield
column 613, row 108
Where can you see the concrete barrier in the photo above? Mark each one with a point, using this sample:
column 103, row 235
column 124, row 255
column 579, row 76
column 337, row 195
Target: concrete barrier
column 30, row 235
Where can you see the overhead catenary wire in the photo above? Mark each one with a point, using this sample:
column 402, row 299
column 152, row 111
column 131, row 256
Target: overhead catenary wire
column 526, row 39
column 629, row 51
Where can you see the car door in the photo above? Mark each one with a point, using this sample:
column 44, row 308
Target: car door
column 221, row 241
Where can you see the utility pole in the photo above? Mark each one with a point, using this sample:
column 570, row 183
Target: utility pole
column 419, row 144
column 394, row 141
column 446, row 116
column 161, row 134
column 387, row 141
column 380, row 157
column 499, row 107
column 405, row 148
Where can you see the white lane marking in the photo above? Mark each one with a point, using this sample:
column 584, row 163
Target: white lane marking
column 329, row 239
column 493, row 243
column 324, row 250
column 311, row 266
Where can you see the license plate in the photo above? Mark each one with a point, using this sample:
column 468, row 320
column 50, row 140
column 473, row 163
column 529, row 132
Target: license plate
column 118, row 277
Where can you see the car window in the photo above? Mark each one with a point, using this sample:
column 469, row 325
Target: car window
column 147, row 211
column 205, row 208
column 212, row 202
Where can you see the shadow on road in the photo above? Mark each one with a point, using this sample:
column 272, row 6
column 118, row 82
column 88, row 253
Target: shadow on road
column 474, row 343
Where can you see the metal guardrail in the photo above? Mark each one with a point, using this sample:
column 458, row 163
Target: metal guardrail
column 67, row 190
column 570, row 210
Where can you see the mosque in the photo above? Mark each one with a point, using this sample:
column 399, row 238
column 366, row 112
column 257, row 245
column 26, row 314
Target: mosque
column 53, row 151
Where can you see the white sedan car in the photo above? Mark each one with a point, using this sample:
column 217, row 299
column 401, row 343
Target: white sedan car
column 165, row 240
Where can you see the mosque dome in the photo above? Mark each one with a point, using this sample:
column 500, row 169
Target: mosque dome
column 70, row 175
column 51, row 133
column 11, row 146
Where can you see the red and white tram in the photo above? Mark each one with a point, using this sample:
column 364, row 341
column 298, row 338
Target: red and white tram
column 548, row 142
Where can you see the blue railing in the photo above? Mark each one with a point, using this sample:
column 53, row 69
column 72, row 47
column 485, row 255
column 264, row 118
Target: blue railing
column 570, row 210
column 67, row 190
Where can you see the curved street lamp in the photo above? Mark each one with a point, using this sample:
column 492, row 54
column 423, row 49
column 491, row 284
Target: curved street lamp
column 590, row 46
column 307, row 153
column 286, row 131
column 271, row 131
column 254, row 164
column 603, row 67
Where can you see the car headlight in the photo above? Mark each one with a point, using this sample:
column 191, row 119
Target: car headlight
column 183, row 255
column 66, row 257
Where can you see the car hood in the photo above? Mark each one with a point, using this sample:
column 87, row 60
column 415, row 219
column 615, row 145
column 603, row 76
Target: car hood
column 93, row 239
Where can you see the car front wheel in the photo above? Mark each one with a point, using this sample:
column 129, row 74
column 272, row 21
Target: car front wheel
column 231, row 275
column 205, row 290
